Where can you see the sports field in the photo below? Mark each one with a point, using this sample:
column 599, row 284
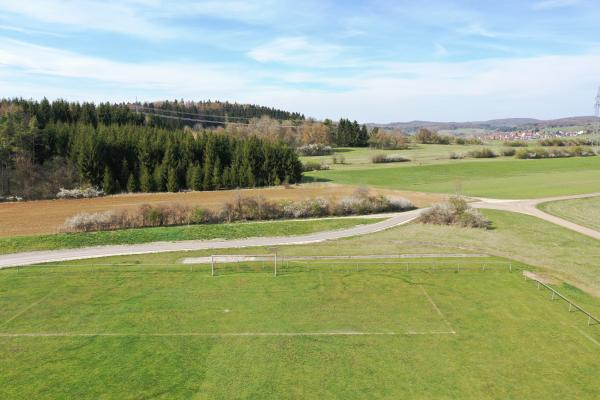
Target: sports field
column 507, row 178
column 166, row 331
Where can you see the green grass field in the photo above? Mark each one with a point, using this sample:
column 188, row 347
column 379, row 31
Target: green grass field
column 584, row 212
column 174, row 233
column 169, row 333
column 507, row 178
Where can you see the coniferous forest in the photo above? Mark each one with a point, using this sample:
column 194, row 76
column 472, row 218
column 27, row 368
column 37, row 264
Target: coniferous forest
column 45, row 146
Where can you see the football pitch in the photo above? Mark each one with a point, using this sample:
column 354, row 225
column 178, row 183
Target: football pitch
column 354, row 331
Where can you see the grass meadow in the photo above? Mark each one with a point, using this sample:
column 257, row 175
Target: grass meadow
column 236, row 230
column 584, row 212
column 498, row 178
column 421, row 154
column 168, row 332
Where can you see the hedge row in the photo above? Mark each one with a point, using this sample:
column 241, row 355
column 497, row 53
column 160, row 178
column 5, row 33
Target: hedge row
column 241, row 209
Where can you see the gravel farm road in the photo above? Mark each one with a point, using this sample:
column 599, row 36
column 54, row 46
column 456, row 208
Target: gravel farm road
column 38, row 257
column 528, row 207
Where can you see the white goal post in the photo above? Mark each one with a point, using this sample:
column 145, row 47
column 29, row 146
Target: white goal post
column 237, row 258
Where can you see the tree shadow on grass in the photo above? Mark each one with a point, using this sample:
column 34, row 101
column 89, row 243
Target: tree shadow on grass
column 314, row 179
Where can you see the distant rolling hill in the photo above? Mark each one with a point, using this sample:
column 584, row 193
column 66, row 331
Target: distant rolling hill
column 505, row 124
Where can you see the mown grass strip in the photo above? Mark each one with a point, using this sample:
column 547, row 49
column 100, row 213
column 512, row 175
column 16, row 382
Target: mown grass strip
column 175, row 233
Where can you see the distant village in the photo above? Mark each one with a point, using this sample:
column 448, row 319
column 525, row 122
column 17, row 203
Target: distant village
column 533, row 134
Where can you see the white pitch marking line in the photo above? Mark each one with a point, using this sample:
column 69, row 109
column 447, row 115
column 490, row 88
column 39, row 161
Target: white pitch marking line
column 438, row 310
column 588, row 336
column 23, row 311
column 223, row 335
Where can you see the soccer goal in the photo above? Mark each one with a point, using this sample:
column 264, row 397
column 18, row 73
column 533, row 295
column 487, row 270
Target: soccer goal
column 223, row 263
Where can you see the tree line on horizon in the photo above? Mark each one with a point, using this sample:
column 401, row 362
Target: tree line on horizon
column 180, row 114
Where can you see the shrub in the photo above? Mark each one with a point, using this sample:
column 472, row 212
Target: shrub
column 508, row 151
column 561, row 142
column 85, row 222
column 316, row 149
column 425, row 136
column 456, row 156
column 484, row 152
column 531, row 153
column 361, row 202
column 456, row 211
column 10, row 198
column 306, row 208
column 79, row 193
column 241, row 209
column 465, row 141
column 515, row 143
column 314, row 166
column 384, row 140
column 382, row 158
column 540, row 152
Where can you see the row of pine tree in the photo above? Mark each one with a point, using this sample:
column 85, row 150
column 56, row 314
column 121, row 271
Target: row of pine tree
column 212, row 113
column 144, row 158
column 350, row 134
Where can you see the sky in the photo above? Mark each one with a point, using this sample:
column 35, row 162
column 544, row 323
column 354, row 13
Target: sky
column 373, row 61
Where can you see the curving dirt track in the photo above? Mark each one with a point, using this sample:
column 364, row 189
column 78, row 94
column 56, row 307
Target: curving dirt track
column 529, row 207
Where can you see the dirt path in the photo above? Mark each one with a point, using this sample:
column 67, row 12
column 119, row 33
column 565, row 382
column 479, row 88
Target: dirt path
column 529, row 207
column 37, row 257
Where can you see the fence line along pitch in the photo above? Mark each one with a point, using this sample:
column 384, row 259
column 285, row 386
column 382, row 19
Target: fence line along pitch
column 451, row 264
column 572, row 305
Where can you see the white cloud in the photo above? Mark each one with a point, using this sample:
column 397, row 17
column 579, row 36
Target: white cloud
column 111, row 16
column 543, row 87
column 153, row 18
column 477, row 29
column 27, row 31
column 170, row 77
column 551, row 4
column 297, row 51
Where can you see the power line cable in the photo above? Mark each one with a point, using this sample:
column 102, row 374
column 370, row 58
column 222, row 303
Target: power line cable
column 204, row 120
column 160, row 110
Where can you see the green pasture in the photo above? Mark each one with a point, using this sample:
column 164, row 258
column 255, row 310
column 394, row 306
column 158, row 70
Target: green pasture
column 506, row 178
column 419, row 154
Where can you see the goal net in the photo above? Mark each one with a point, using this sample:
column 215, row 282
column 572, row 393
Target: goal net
column 236, row 263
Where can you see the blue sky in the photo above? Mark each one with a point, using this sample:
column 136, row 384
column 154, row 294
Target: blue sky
column 375, row 61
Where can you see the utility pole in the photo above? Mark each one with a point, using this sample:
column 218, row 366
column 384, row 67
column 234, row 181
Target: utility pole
column 597, row 122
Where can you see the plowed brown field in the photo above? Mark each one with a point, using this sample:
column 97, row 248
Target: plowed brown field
column 47, row 216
